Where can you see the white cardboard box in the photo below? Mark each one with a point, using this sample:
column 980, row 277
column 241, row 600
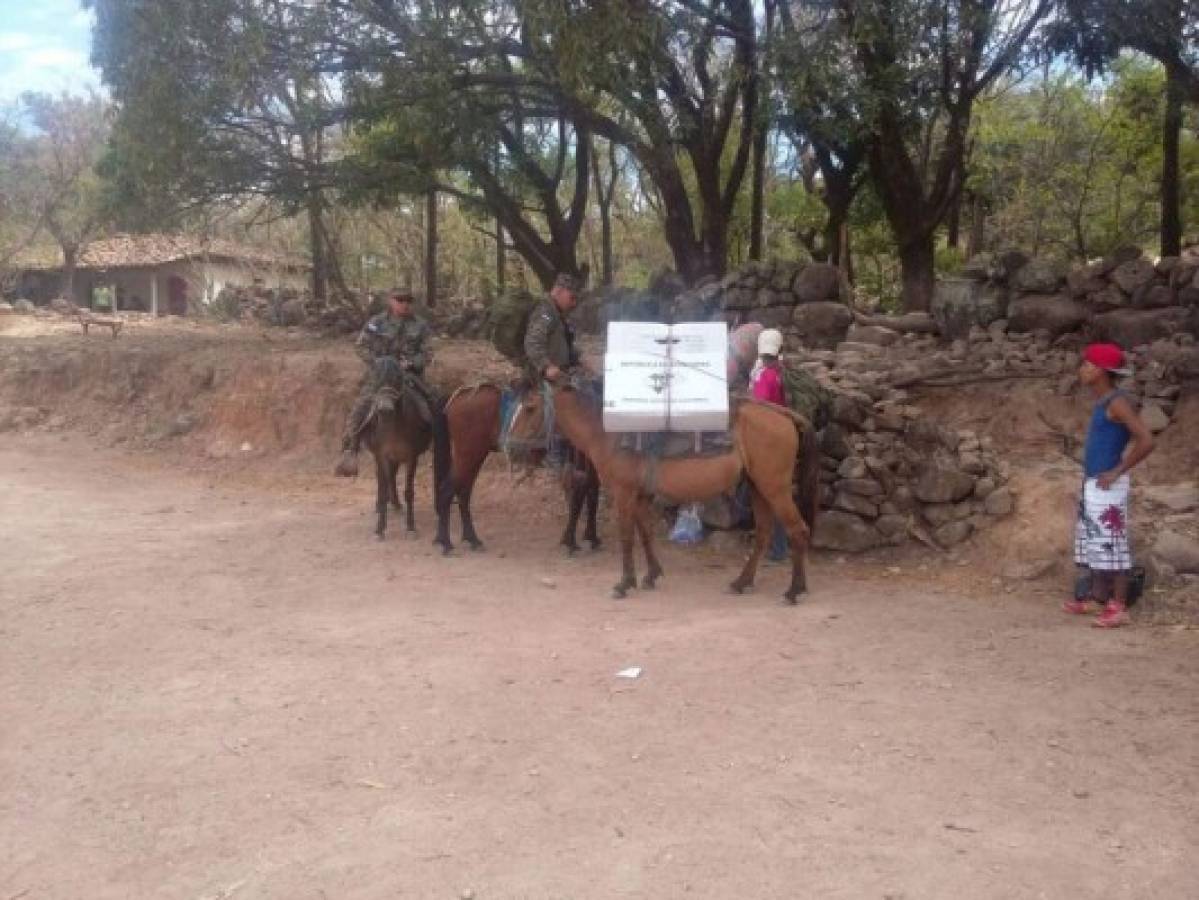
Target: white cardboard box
column 666, row 377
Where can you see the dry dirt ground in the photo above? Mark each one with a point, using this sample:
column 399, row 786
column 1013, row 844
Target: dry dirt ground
column 216, row 687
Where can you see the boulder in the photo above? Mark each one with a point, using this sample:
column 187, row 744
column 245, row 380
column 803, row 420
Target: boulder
column 63, row 305
column 953, row 534
column 852, row 468
column 821, row 325
column 1054, row 314
column 1008, row 264
column 1110, row 297
column 1188, row 296
column 1118, row 258
column 1132, row 276
column 700, row 304
column 1178, row 498
column 833, row 442
column 1039, row 276
column 872, row 334
column 817, row 283
column 862, row 487
column 1133, row 327
column 1085, row 280
column 771, row 317
column 740, row 298
column 942, row 483
column 1000, row 503
column 5, row 306
column 980, row 267
column 892, row 526
column 24, row 306
column 959, row 304
column 845, row 532
column 860, row 506
column 1167, row 264
column 1154, row 296
column 1155, row 417
column 1178, row 551
column 984, row 488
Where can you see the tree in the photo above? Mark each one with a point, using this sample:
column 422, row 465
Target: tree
column 64, row 187
column 921, row 65
column 221, row 100
column 1096, row 31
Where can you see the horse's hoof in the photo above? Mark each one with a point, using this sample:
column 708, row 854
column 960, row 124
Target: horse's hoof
column 790, row 599
column 380, row 536
column 411, row 535
column 596, row 544
column 620, row 592
column 569, row 551
column 476, row 546
column 738, row 588
column 648, row 583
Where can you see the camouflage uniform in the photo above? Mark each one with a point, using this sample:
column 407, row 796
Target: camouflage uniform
column 549, row 341
column 406, row 341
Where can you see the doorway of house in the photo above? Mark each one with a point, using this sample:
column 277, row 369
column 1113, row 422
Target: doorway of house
column 176, row 296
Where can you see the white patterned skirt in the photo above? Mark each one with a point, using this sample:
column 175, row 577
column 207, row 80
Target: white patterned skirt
column 1101, row 535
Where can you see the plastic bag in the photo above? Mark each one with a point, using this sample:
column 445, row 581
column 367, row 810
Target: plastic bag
column 688, row 529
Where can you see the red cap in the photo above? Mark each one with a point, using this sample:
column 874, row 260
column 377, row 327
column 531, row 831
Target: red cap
column 1108, row 357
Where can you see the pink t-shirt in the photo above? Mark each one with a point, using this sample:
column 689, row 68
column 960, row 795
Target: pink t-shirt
column 768, row 385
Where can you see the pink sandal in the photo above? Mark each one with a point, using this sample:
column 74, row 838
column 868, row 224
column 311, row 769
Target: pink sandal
column 1113, row 616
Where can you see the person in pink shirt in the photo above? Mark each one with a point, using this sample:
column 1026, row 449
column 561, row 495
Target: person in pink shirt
column 766, row 383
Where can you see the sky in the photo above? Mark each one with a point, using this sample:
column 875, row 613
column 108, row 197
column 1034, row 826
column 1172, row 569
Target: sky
column 44, row 46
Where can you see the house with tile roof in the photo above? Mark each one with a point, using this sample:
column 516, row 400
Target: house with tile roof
column 163, row 274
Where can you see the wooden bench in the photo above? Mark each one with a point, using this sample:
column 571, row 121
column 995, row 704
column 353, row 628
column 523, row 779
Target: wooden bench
column 87, row 319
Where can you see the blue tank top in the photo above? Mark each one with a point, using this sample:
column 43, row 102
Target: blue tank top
column 1106, row 439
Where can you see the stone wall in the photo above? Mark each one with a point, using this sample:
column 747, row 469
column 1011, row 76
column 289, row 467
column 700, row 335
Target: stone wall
column 1125, row 298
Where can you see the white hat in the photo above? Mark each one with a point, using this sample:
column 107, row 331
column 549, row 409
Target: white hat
column 770, row 342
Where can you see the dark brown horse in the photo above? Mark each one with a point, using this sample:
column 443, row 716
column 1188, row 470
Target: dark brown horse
column 473, row 424
column 397, row 431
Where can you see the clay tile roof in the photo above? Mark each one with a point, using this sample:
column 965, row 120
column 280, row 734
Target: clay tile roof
column 137, row 250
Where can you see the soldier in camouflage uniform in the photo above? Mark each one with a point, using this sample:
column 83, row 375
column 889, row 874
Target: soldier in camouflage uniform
column 549, row 340
column 401, row 335
column 550, row 353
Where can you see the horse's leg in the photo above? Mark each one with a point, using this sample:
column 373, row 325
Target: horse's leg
column 574, row 491
column 410, row 493
column 394, row 469
column 763, row 526
column 443, row 500
column 592, row 490
column 645, row 525
column 382, row 494
column 799, row 533
column 626, row 516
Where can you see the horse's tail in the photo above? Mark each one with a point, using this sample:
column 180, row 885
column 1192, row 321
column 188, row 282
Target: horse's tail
column 807, row 475
column 442, row 486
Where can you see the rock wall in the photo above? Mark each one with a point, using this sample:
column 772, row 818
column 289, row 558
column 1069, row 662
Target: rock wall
column 1126, row 298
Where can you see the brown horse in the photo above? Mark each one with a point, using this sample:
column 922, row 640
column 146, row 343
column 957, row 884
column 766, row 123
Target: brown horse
column 397, row 432
column 775, row 449
column 472, row 418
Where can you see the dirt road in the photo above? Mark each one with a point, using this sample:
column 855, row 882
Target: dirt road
column 214, row 690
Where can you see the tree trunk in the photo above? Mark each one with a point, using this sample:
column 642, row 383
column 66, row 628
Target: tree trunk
column 1171, row 224
column 917, row 262
column 603, row 198
column 501, row 259
column 953, row 225
column 70, row 260
column 431, row 249
column 319, row 248
column 978, row 224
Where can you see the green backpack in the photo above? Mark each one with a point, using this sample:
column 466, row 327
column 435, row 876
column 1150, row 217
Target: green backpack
column 507, row 322
column 807, row 396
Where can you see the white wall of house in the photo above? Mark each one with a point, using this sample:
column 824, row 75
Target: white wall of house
column 149, row 289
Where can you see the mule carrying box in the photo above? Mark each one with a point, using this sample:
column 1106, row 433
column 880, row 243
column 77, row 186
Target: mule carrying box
column 666, row 377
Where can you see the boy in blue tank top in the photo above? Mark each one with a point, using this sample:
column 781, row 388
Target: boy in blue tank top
column 1101, row 535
